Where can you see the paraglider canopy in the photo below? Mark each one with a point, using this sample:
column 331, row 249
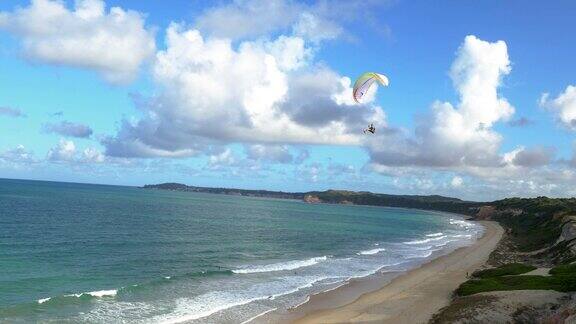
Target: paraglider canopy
column 365, row 81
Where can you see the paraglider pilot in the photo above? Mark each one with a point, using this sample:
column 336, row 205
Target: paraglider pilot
column 370, row 129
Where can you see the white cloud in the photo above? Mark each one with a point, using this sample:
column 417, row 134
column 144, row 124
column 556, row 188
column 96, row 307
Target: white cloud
column 316, row 29
column 456, row 182
column 315, row 21
column 92, row 155
column 515, row 181
column 225, row 158
column 115, row 43
column 258, row 91
column 243, row 19
column 18, row 155
column 269, row 153
column 461, row 135
column 309, row 173
column 461, row 139
column 248, row 18
column 64, row 151
column 563, row 106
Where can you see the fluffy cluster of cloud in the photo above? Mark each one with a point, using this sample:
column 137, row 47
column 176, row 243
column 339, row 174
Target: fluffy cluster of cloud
column 115, row 43
column 461, row 138
column 260, row 91
column 66, row 151
column 68, row 129
column 461, row 135
column 18, row 155
column 563, row 106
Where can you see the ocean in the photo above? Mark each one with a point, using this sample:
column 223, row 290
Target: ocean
column 80, row 253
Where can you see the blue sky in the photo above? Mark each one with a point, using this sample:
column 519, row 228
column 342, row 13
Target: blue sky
column 256, row 94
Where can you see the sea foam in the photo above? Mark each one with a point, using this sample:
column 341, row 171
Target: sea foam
column 426, row 240
column 259, row 315
column 460, row 222
column 189, row 309
column 43, row 300
column 281, row 266
column 97, row 293
column 371, row 252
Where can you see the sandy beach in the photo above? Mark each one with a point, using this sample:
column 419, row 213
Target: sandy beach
column 409, row 298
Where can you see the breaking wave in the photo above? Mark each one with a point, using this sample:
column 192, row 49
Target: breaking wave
column 281, row 266
column 371, row 252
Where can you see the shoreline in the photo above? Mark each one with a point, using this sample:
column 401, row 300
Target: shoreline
column 398, row 297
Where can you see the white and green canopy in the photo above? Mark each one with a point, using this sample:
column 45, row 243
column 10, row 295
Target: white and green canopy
column 365, row 81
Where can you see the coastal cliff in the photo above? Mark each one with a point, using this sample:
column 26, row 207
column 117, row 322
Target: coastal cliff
column 531, row 275
column 171, row 186
column 312, row 199
column 568, row 234
column 432, row 202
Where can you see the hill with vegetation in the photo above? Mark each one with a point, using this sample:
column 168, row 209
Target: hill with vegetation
column 531, row 276
column 227, row 191
column 432, row 202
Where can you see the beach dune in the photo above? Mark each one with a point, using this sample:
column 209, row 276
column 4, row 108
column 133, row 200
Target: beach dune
column 413, row 297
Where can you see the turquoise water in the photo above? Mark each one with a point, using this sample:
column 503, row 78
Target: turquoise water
column 78, row 253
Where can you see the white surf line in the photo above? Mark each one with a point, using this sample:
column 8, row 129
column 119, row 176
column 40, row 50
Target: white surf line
column 261, row 314
column 281, row 266
column 371, row 252
column 302, row 303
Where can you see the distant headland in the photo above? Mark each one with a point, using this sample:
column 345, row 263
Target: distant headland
column 432, row 202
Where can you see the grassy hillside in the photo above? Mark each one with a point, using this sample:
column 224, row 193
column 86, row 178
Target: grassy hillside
column 534, row 223
column 507, row 277
column 433, row 202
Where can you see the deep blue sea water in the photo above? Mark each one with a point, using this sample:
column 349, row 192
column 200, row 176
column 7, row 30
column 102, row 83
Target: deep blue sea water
column 77, row 253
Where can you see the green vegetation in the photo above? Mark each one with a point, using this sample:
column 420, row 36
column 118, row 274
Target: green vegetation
column 505, row 270
column 433, row 202
column 562, row 278
column 540, row 205
column 227, row 191
column 516, row 283
column 462, row 310
column 562, row 270
column 538, row 224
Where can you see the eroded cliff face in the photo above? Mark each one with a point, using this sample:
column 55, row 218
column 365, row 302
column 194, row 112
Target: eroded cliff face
column 485, row 213
column 312, row 199
column 521, row 306
column 568, row 234
column 488, row 212
column 555, row 235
